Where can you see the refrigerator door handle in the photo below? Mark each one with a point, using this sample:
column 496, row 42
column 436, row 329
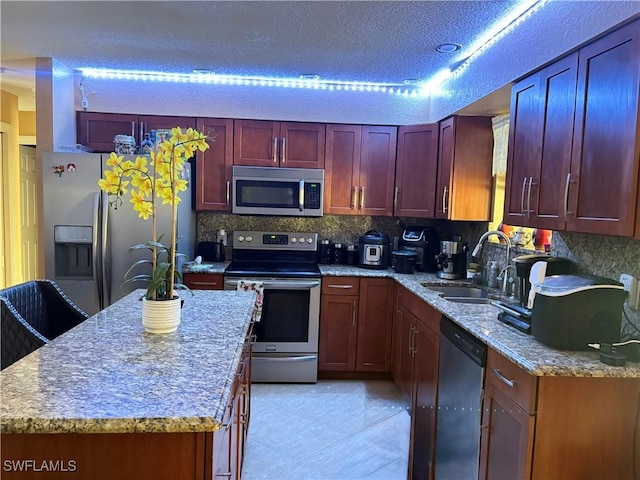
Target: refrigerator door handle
column 106, row 252
column 96, row 260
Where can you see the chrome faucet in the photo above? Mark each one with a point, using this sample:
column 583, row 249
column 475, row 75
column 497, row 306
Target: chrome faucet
column 478, row 249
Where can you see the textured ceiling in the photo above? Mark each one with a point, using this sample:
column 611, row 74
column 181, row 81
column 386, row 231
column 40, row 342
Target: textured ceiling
column 339, row 40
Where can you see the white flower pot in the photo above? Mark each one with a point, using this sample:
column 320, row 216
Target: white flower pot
column 161, row 316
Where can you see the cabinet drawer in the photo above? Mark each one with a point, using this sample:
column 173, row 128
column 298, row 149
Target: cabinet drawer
column 203, row 281
column 340, row 286
column 512, row 380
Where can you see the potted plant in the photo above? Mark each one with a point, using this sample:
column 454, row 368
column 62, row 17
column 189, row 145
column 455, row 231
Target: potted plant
column 147, row 182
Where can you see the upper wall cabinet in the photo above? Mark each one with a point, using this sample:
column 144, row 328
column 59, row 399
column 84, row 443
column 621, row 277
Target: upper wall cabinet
column 265, row 143
column 97, row 130
column 574, row 152
column 359, row 170
column 464, row 181
column 416, row 170
column 214, row 166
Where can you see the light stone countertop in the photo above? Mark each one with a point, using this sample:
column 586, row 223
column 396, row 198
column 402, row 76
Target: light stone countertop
column 109, row 375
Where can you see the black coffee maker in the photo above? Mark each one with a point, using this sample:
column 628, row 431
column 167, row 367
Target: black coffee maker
column 523, row 263
column 425, row 242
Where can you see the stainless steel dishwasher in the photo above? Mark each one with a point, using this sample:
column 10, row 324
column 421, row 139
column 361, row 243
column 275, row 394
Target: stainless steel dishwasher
column 460, row 381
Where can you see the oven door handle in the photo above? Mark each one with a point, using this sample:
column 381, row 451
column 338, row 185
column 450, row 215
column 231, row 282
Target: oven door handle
column 302, row 358
column 280, row 284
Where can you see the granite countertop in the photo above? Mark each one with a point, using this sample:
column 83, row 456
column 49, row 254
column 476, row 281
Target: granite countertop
column 108, row 375
column 481, row 320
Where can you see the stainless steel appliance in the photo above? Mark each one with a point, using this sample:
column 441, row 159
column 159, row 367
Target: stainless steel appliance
column 86, row 240
column 452, row 259
column 286, row 348
column 375, row 250
column 278, row 191
column 460, row 382
column 425, row 242
column 404, row 261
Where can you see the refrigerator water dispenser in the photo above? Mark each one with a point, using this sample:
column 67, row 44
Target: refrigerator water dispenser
column 73, row 251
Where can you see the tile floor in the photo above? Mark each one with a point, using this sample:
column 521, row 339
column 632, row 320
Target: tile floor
column 334, row 429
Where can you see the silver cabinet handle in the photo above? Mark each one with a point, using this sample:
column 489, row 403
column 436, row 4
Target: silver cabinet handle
column 524, row 187
column 301, row 196
column 282, row 152
column 395, row 198
column 141, row 132
column 566, row 196
column 212, row 284
column 445, row 195
column 354, row 197
column 228, row 191
column 531, row 182
column 502, row 378
column 133, row 129
column 353, row 322
column 411, row 331
column 362, row 198
column 275, row 149
column 341, row 286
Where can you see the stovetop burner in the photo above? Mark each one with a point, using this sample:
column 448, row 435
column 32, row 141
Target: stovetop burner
column 274, row 254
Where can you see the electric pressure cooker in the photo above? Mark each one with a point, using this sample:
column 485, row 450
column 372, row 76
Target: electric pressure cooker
column 375, row 250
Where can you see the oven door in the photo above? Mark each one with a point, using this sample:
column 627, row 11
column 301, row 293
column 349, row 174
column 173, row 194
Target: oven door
column 286, row 348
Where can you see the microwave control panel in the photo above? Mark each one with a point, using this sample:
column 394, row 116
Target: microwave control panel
column 312, row 195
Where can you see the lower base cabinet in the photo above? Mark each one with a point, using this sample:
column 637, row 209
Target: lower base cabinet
column 355, row 325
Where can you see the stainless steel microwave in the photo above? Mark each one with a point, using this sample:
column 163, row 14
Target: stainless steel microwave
column 278, row 191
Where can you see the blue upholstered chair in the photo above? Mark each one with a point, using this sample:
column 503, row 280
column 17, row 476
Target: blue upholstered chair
column 33, row 313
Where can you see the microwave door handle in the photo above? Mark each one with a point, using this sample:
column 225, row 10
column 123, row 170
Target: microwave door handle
column 301, row 196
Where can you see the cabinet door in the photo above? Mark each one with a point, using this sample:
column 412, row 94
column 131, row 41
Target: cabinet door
column 506, row 443
column 525, row 133
column 338, row 332
column 302, row 145
column 97, row 130
column 604, row 164
column 416, row 170
column 203, row 281
column 146, row 123
column 255, row 143
column 342, row 169
column 377, row 170
column 375, row 313
column 545, row 192
column 423, row 418
column 214, row 166
column 445, row 166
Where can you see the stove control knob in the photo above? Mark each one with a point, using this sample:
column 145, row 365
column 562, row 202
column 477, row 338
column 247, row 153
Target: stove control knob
column 301, row 239
column 294, row 239
column 309, row 240
column 249, row 239
column 240, row 238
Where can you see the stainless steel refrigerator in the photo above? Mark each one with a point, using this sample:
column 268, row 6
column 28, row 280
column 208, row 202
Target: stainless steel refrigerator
column 86, row 240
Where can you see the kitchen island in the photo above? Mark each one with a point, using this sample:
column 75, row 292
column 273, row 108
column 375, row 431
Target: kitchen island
column 108, row 400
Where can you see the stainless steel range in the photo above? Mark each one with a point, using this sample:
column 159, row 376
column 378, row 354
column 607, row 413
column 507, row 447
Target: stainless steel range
column 286, row 348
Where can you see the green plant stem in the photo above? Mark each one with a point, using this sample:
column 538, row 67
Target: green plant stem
column 174, row 209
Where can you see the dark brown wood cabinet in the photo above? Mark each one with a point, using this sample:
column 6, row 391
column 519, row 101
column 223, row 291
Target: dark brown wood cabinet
column 540, row 137
column 416, row 170
column 464, row 181
column 557, row 427
column 203, row 281
column 264, row 143
column 574, row 155
column 416, row 353
column 355, row 325
column 214, row 166
column 360, row 170
column 96, row 130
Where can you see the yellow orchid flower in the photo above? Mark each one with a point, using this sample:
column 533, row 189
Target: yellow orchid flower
column 114, row 160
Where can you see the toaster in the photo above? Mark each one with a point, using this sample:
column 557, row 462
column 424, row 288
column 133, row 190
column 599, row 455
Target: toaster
column 571, row 311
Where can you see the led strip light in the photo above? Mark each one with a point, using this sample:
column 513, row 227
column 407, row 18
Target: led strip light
column 421, row 89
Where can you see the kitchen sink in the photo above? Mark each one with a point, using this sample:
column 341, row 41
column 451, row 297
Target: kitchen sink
column 462, row 293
